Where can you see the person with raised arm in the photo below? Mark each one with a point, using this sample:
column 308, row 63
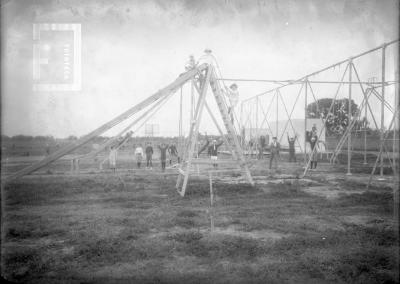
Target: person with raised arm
column 163, row 155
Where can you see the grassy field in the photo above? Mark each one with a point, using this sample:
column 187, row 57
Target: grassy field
column 135, row 228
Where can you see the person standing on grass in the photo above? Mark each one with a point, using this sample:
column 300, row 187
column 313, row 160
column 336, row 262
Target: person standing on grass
column 139, row 155
column 173, row 152
column 251, row 147
column 292, row 151
column 274, row 149
column 149, row 156
column 163, row 155
column 113, row 158
column 261, row 147
column 314, row 152
column 213, row 151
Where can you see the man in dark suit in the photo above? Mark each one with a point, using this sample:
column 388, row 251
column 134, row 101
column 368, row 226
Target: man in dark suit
column 274, row 148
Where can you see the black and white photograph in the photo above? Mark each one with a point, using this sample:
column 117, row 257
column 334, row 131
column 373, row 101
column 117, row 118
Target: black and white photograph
column 200, row 141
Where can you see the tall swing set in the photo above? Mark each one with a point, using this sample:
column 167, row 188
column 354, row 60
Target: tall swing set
column 205, row 76
column 202, row 78
column 368, row 91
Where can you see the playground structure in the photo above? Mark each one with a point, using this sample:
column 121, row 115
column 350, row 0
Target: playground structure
column 201, row 77
column 270, row 108
column 329, row 82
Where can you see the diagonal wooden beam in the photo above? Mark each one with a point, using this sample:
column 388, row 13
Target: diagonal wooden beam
column 113, row 140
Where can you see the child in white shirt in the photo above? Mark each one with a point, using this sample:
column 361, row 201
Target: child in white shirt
column 139, row 155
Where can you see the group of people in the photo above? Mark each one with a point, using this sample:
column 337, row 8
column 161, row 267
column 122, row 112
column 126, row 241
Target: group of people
column 311, row 137
column 275, row 147
column 232, row 95
column 166, row 151
column 212, row 146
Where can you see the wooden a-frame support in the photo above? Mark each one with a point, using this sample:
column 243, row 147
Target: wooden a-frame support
column 231, row 138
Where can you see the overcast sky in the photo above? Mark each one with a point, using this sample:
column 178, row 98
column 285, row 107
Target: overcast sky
column 131, row 49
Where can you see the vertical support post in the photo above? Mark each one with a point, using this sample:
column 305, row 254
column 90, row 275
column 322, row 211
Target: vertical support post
column 180, row 123
column 349, row 114
column 257, row 130
column 396, row 122
column 396, row 174
column 191, row 99
column 211, row 203
column 305, row 122
column 251, row 133
column 241, row 128
column 277, row 115
column 365, row 129
column 382, row 106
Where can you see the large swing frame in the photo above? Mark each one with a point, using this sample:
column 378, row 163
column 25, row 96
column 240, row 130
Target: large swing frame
column 306, row 84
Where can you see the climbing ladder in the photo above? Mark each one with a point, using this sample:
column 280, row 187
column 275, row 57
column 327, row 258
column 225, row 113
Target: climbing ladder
column 231, row 137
